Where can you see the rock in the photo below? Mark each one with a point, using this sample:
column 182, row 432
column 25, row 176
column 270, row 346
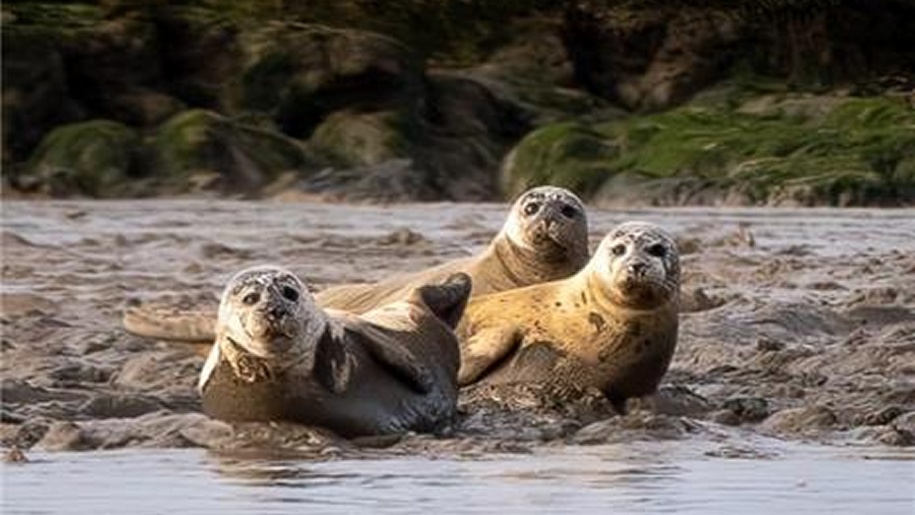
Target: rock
column 748, row 409
column 469, row 122
column 96, row 158
column 640, row 425
column 301, row 73
column 794, row 421
column 649, row 58
column 66, row 436
column 144, row 108
column 725, row 417
column 119, row 406
column 243, row 157
column 392, row 181
column 565, row 154
column 351, row 139
column 35, row 95
column 200, row 53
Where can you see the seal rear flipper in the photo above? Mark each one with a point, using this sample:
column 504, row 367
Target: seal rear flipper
column 397, row 359
column 447, row 300
column 171, row 323
column 484, row 351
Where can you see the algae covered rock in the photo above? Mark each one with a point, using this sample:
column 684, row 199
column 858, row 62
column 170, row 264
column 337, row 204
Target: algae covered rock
column 95, row 158
column 240, row 157
column 300, row 73
column 859, row 151
column 348, row 138
column 568, row 154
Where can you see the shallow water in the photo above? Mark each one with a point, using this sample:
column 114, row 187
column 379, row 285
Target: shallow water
column 69, row 269
column 660, row 477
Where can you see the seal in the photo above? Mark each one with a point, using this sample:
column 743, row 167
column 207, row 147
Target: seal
column 612, row 326
column 280, row 357
column 544, row 238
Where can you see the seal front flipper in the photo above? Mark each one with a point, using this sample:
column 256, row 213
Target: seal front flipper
column 333, row 365
column 483, row 351
column 397, row 358
column 447, row 300
column 166, row 322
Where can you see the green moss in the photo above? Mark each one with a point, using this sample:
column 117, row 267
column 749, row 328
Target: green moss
column 350, row 139
column 860, row 152
column 95, row 157
column 199, row 141
column 569, row 154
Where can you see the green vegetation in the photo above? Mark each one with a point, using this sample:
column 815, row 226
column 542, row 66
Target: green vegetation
column 861, row 151
column 350, row 139
column 199, row 141
column 96, row 158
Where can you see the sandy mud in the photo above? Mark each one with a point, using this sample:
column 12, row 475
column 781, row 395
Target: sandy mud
column 797, row 324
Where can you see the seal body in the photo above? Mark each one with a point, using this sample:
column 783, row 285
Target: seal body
column 390, row 370
column 544, row 238
column 612, row 326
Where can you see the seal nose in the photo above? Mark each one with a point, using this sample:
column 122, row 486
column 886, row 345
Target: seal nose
column 637, row 268
column 276, row 312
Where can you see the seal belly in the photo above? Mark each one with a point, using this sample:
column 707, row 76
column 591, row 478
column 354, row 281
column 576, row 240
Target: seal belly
column 367, row 407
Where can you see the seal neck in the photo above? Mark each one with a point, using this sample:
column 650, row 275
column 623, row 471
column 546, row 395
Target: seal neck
column 527, row 266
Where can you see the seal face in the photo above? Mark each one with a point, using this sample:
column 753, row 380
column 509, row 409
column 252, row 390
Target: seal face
column 548, row 225
column 544, row 238
column 268, row 312
column 612, row 326
column 278, row 356
column 637, row 266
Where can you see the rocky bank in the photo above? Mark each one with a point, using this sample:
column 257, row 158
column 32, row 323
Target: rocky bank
column 780, row 102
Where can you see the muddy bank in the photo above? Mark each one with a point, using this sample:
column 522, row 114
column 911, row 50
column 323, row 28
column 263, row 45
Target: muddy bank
column 797, row 324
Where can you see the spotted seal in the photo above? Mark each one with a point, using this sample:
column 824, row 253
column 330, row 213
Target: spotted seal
column 612, row 326
column 280, row 357
column 544, row 238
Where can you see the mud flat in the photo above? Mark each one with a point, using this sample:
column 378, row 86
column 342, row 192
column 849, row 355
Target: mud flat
column 798, row 324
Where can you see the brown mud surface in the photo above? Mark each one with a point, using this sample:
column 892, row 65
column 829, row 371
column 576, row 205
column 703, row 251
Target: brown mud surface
column 797, row 324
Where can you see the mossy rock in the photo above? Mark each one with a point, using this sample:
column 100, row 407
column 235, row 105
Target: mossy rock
column 301, row 73
column 95, row 158
column 859, row 152
column 243, row 157
column 569, row 154
column 348, row 139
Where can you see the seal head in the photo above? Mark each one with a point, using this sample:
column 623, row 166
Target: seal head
column 550, row 222
column 637, row 266
column 269, row 312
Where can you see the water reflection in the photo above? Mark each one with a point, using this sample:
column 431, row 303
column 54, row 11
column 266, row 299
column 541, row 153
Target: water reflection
column 682, row 477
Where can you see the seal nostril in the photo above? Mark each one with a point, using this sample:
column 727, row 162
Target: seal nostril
column 290, row 293
column 637, row 268
column 568, row 211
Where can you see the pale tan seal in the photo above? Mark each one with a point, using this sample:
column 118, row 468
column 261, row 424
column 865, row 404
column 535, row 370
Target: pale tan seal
column 279, row 357
column 612, row 326
column 544, row 238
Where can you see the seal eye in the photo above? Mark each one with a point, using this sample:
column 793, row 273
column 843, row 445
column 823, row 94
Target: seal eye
column 251, row 298
column 531, row 208
column 290, row 293
column 568, row 211
column 657, row 250
column 618, row 250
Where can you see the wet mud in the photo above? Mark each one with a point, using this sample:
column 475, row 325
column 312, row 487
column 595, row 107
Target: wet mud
column 797, row 325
